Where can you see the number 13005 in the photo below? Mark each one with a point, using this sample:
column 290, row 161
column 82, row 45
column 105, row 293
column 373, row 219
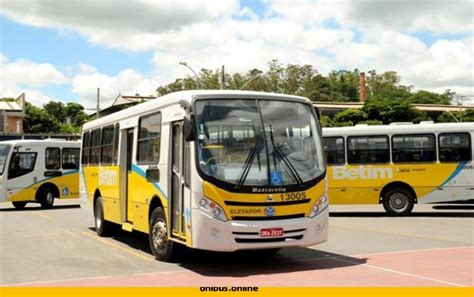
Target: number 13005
column 293, row 196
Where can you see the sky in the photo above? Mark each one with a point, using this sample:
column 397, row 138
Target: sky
column 64, row 50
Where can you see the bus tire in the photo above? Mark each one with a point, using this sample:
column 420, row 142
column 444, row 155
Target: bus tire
column 19, row 204
column 162, row 247
column 46, row 197
column 398, row 201
column 103, row 228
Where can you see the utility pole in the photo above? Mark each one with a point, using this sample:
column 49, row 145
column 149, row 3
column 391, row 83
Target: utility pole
column 98, row 103
column 222, row 78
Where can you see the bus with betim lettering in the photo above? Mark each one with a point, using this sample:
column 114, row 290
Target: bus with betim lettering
column 38, row 171
column 209, row 169
column 400, row 165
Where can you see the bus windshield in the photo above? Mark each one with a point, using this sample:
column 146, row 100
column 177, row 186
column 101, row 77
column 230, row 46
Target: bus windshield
column 258, row 142
column 4, row 150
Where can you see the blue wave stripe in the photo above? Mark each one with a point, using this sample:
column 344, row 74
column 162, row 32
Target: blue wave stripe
column 455, row 172
column 48, row 178
column 142, row 173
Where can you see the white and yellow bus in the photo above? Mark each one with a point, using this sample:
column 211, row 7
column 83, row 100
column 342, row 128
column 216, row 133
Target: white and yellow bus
column 400, row 165
column 213, row 170
column 38, row 171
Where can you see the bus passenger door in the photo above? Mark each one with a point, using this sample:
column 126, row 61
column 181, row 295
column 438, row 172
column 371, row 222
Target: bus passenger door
column 126, row 189
column 178, row 229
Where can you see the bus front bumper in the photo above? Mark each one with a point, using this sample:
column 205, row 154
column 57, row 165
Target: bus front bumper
column 212, row 234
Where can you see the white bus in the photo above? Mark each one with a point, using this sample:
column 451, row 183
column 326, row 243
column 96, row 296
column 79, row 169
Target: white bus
column 214, row 170
column 38, row 171
column 400, row 165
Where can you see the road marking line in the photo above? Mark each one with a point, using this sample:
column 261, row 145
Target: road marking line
column 43, row 216
column 127, row 250
column 86, row 278
column 395, row 232
column 402, row 273
column 414, row 251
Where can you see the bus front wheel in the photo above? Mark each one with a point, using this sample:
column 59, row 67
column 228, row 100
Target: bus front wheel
column 398, row 201
column 163, row 249
column 102, row 227
column 19, row 204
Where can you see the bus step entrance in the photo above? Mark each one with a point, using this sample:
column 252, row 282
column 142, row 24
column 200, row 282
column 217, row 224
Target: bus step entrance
column 127, row 227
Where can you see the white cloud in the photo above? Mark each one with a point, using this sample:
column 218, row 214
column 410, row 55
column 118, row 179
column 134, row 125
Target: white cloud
column 120, row 16
column 31, row 73
column 134, row 25
column 127, row 82
column 25, row 76
column 206, row 34
column 436, row 16
column 12, row 90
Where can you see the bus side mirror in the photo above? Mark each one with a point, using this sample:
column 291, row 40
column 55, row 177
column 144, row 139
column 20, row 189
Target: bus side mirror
column 189, row 129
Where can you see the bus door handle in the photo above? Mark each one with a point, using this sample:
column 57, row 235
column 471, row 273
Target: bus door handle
column 343, row 189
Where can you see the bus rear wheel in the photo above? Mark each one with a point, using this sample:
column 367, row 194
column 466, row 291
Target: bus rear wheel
column 398, row 201
column 102, row 227
column 19, row 204
column 46, row 197
column 163, row 249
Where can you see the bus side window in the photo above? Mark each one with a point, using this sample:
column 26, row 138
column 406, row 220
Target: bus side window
column 95, row 147
column 149, row 139
column 419, row 148
column 70, row 158
column 106, row 152
column 334, row 147
column 85, row 148
column 21, row 164
column 454, row 147
column 368, row 149
column 53, row 158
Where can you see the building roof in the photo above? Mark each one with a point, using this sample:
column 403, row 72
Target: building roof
column 17, row 106
column 10, row 106
column 122, row 100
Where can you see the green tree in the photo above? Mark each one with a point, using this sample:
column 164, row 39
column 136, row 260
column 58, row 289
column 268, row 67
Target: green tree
column 425, row 97
column 453, row 117
column 7, row 99
column 351, row 115
column 56, row 109
column 325, row 121
column 468, row 115
column 392, row 110
column 318, row 88
column 344, row 85
column 386, row 85
column 38, row 120
column 75, row 112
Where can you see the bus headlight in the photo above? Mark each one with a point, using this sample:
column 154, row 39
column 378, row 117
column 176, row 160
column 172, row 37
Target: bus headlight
column 213, row 209
column 319, row 206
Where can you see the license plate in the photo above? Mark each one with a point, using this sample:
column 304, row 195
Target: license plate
column 271, row 232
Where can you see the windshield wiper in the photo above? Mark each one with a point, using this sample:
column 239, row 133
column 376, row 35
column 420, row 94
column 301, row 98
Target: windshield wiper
column 247, row 166
column 281, row 155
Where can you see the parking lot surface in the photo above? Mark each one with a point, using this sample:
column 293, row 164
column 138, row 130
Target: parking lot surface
column 58, row 247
